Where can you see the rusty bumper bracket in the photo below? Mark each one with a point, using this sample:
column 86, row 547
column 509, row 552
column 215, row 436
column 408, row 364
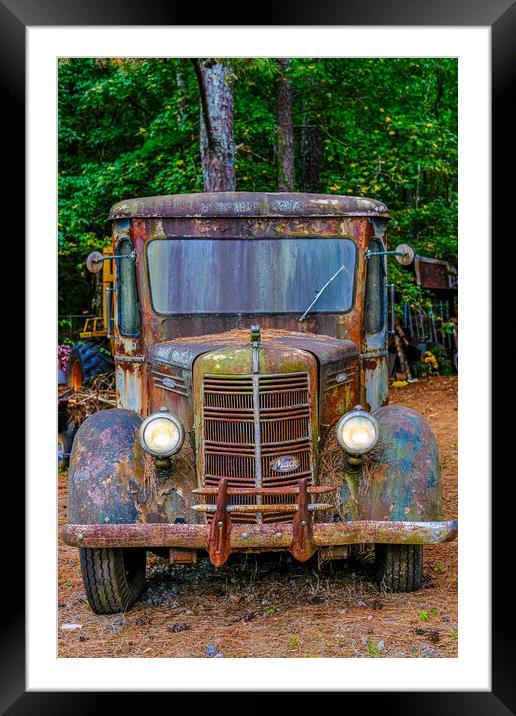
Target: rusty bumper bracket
column 220, row 532
column 303, row 543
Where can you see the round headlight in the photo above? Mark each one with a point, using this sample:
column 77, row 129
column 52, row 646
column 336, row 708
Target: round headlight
column 161, row 434
column 357, row 432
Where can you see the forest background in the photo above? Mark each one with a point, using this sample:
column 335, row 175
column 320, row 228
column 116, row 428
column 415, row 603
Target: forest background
column 376, row 127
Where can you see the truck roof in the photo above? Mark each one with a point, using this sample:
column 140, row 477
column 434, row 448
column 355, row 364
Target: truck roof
column 247, row 204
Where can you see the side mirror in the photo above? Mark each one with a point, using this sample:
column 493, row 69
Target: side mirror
column 94, row 262
column 404, row 254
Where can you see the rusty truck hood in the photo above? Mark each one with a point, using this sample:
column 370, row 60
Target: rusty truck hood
column 182, row 352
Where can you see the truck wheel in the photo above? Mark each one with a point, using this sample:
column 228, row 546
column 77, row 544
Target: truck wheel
column 113, row 578
column 64, row 448
column 399, row 567
column 85, row 362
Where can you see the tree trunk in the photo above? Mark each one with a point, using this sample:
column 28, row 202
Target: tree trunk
column 217, row 142
column 285, row 147
column 311, row 144
column 311, row 158
column 181, row 98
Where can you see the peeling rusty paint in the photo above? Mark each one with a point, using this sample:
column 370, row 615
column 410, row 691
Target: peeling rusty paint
column 105, row 463
column 111, row 480
column 375, row 382
column 402, row 481
column 129, row 385
column 248, row 204
column 168, row 495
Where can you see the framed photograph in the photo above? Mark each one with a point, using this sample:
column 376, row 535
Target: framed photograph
column 39, row 675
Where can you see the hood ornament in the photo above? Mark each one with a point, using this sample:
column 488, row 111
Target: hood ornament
column 255, row 336
column 255, row 343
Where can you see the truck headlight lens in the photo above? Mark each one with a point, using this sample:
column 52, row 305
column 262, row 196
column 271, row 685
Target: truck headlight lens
column 161, row 434
column 357, row 432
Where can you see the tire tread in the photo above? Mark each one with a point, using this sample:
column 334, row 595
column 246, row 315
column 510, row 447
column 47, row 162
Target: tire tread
column 399, row 567
column 105, row 580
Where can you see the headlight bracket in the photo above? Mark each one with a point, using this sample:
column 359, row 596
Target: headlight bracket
column 163, row 467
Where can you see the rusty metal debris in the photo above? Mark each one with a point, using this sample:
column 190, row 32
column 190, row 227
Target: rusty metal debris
column 98, row 395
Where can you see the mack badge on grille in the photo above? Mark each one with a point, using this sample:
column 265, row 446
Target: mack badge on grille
column 285, row 463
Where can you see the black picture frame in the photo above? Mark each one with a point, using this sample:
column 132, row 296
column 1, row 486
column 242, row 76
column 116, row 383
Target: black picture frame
column 15, row 16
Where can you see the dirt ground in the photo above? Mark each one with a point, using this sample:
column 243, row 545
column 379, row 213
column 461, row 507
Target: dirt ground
column 274, row 607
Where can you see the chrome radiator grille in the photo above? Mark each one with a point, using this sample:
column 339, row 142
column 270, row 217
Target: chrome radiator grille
column 248, row 423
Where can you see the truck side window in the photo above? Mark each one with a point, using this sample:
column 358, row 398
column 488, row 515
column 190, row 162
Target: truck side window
column 375, row 290
column 128, row 309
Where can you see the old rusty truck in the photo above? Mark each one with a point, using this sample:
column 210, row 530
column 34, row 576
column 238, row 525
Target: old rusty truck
column 251, row 376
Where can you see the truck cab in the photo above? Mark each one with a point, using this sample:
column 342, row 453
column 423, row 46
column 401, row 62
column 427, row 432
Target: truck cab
column 250, row 350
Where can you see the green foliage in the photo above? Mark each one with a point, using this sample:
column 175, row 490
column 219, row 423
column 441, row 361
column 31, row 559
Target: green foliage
column 373, row 649
column 65, row 331
column 293, row 642
column 447, row 327
column 130, row 127
column 443, row 361
column 433, row 362
column 424, row 615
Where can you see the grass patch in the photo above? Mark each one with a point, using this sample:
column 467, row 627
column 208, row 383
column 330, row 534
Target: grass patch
column 293, row 641
column 372, row 649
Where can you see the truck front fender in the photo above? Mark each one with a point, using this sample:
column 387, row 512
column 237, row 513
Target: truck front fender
column 106, row 469
column 401, row 479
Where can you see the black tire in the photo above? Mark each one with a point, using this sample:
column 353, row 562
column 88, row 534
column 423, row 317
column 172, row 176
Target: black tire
column 64, row 448
column 90, row 360
column 62, row 420
column 113, row 578
column 399, row 567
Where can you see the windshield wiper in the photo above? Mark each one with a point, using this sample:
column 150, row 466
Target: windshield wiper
column 302, row 318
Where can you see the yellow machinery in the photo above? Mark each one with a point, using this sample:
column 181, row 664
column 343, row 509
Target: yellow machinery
column 101, row 327
column 90, row 357
column 92, row 354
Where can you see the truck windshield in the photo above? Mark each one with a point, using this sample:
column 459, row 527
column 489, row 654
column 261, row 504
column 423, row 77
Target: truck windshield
column 250, row 275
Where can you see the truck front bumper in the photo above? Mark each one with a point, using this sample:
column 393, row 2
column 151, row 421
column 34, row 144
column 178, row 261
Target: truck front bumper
column 263, row 537
column 301, row 537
